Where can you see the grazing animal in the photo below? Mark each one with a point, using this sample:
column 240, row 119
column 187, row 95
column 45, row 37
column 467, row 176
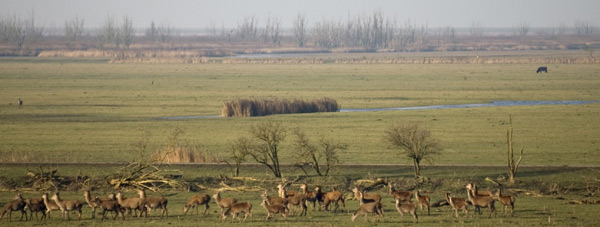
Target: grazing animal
column 367, row 206
column 481, row 201
column 223, row 202
column 154, row 203
column 423, row 200
column 195, row 201
column 67, row 205
column 20, row 102
column 274, row 209
column 129, row 204
column 310, row 196
column 91, row 202
column 298, row 200
column 506, row 200
column 458, row 204
column 109, row 205
column 335, row 197
column 407, row 207
column 237, row 208
column 542, row 69
column 18, row 204
column 36, row 205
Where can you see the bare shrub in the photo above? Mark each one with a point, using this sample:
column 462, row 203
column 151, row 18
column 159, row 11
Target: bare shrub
column 263, row 107
column 185, row 154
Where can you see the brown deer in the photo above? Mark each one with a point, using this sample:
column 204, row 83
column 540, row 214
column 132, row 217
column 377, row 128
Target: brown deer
column 471, row 186
column 367, row 206
column 130, row 204
column 298, row 200
column 422, row 200
column 223, row 202
column 367, row 197
column 50, row 205
column 109, row 205
column 36, row 205
column 235, row 209
column 310, row 196
column 407, row 207
column 154, row 203
column 458, row 204
column 506, row 200
column 18, row 204
column 405, row 196
column 481, row 201
column 274, row 209
column 274, row 200
column 281, row 187
column 67, row 205
column 335, row 197
column 91, row 202
column 195, row 201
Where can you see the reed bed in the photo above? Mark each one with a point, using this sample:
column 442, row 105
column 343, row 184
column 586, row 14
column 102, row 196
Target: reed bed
column 263, row 107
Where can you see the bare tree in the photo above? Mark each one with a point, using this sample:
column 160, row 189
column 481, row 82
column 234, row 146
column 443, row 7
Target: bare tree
column 165, row 32
column 512, row 165
column 18, row 31
column 152, row 32
column 239, row 150
column 248, row 29
column 269, row 136
column 73, row 30
column 126, row 32
column 316, row 155
column 584, row 28
column 300, row 29
column 476, row 29
column 521, row 29
column 415, row 143
column 108, row 33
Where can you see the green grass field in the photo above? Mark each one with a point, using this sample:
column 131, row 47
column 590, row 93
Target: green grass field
column 86, row 110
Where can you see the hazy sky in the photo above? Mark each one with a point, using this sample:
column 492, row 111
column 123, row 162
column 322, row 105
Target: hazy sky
column 200, row 13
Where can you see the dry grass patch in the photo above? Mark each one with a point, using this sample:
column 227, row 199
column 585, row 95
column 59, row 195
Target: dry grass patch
column 263, row 107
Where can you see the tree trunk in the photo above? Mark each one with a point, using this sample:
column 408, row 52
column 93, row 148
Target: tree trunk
column 417, row 168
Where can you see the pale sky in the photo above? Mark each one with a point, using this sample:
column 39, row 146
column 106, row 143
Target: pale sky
column 200, row 13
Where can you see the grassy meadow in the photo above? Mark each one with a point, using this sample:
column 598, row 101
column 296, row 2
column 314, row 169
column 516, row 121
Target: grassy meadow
column 91, row 111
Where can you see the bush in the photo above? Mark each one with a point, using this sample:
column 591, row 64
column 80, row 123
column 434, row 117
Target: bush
column 263, row 107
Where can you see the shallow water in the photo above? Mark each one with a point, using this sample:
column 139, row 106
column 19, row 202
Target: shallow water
column 491, row 104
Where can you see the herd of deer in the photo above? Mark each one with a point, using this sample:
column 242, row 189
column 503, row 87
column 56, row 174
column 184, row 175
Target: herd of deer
column 282, row 204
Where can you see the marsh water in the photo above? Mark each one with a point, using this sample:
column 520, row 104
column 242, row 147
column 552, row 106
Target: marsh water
column 491, row 104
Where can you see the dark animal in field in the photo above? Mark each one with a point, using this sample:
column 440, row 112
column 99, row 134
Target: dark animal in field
column 542, row 69
column 20, row 102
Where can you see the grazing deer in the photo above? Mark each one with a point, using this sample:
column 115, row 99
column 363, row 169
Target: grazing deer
column 50, row 205
column 274, row 209
column 298, row 200
column 109, row 205
column 36, row 205
column 195, row 201
column 67, row 205
column 458, row 204
column 154, row 203
column 223, row 202
column 18, row 204
column 471, row 186
column 335, row 197
column 237, row 208
column 91, row 202
column 407, row 207
column 506, row 200
column 422, row 200
column 481, row 201
column 129, row 204
column 367, row 206
column 367, row 197
column 310, row 196
column 405, row 196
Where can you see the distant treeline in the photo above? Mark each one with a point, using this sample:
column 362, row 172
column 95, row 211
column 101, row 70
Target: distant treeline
column 263, row 107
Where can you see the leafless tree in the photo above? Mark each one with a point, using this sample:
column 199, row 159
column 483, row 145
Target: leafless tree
column 165, row 32
column 512, row 165
column 239, row 150
column 321, row 156
column 415, row 143
column 265, row 150
column 522, row 29
column 73, row 30
column 109, row 33
column 584, row 28
column 300, row 29
column 152, row 32
column 126, row 32
column 18, row 31
column 248, row 29
column 476, row 29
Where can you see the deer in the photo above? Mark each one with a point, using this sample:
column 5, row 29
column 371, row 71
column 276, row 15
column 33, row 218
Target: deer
column 36, row 205
column 109, row 205
column 407, row 207
column 154, row 203
column 319, row 196
column 18, row 204
column 311, row 196
column 458, row 203
column 237, row 208
column 67, row 205
column 132, row 204
column 297, row 200
column 506, row 200
column 223, row 202
column 282, row 187
column 399, row 195
column 481, row 201
column 471, row 186
column 274, row 200
column 50, row 205
column 335, row 197
column 195, row 201
column 422, row 200
column 367, row 206
column 274, row 209
column 367, row 197
column 91, row 202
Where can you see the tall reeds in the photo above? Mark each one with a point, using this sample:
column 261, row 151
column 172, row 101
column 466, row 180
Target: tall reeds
column 263, row 107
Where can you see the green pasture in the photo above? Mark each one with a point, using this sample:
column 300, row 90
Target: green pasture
column 92, row 111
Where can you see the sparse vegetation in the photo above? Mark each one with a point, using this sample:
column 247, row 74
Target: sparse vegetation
column 416, row 143
column 263, row 107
